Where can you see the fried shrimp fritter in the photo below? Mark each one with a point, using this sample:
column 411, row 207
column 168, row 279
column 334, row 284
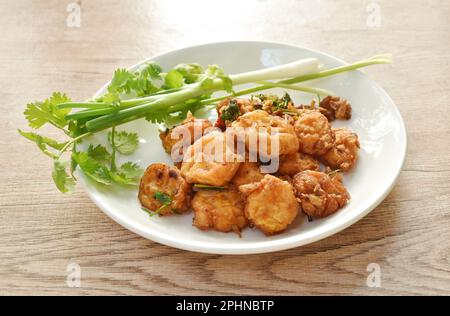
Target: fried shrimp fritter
column 271, row 204
column 314, row 132
column 320, row 194
column 344, row 153
column 335, row 108
column 183, row 135
column 261, row 127
column 163, row 189
column 248, row 172
column 210, row 160
column 295, row 163
column 219, row 210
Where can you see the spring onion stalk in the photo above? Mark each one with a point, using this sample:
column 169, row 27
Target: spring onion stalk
column 84, row 105
column 315, row 91
column 296, row 68
column 378, row 59
column 299, row 71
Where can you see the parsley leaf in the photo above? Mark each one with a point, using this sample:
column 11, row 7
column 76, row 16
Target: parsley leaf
column 43, row 142
column 190, row 72
column 124, row 142
column 128, row 173
column 99, row 153
column 92, row 168
column 140, row 82
column 40, row 113
column 63, row 181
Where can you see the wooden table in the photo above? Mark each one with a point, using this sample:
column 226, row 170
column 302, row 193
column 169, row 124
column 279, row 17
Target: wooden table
column 42, row 231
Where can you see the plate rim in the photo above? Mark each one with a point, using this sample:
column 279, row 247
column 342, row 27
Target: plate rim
column 270, row 245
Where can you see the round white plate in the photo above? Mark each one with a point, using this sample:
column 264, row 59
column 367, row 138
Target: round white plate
column 376, row 119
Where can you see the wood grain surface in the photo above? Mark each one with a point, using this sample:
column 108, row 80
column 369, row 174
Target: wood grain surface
column 42, row 231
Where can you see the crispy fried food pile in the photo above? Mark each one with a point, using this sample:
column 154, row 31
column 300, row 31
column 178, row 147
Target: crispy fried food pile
column 224, row 176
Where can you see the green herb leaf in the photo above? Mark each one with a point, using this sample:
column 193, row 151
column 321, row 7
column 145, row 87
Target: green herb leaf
column 99, row 153
column 92, row 168
column 43, row 142
column 40, row 113
column 215, row 72
column 173, row 79
column 231, row 112
column 152, row 69
column 64, row 182
column 190, row 72
column 125, row 143
column 128, row 173
column 163, row 198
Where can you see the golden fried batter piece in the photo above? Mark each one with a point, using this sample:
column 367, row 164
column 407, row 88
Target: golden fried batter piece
column 320, row 194
column 204, row 165
column 294, row 163
column 271, row 204
column 314, row 132
column 221, row 210
column 260, row 127
column 335, row 108
column 344, row 154
column 162, row 184
column 185, row 134
column 248, row 172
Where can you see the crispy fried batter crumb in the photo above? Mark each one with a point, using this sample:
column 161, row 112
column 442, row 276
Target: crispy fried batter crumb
column 219, row 210
column 320, row 194
column 263, row 127
column 248, row 172
column 334, row 107
column 200, row 164
column 271, row 204
column 314, row 132
column 294, row 163
column 185, row 134
column 344, row 153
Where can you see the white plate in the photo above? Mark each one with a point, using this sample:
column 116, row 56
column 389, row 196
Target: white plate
column 376, row 119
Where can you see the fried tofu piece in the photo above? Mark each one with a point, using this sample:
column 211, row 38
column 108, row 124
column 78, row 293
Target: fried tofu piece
column 320, row 194
column 271, row 204
column 210, row 160
column 221, row 210
column 175, row 139
column 260, row 127
column 248, row 172
column 344, row 153
column 314, row 132
column 163, row 189
column 292, row 164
